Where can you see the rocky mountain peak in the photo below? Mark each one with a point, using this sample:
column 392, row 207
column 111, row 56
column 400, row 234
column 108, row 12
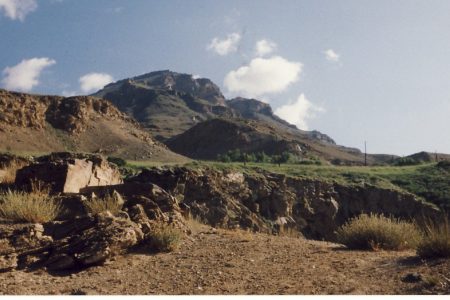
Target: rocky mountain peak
column 202, row 88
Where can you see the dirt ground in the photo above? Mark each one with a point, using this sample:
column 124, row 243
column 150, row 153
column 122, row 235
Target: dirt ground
column 235, row 262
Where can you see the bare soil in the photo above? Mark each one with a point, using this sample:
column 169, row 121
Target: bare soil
column 214, row 261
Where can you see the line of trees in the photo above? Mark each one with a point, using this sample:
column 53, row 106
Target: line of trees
column 237, row 155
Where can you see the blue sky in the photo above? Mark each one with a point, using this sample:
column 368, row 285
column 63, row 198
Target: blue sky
column 355, row 70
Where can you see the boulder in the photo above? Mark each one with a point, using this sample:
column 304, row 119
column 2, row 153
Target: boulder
column 83, row 242
column 68, row 173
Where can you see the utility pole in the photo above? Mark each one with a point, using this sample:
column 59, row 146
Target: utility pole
column 365, row 153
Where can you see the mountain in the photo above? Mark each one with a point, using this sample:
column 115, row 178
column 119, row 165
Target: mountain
column 170, row 104
column 257, row 110
column 211, row 138
column 167, row 103
column 34, row 123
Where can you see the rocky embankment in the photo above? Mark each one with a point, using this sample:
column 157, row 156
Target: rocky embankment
column 263, row 202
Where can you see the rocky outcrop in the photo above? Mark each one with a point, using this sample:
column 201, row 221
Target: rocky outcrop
column 94, row 240
column 68, row 173
column 266, row 201
column 38, row 123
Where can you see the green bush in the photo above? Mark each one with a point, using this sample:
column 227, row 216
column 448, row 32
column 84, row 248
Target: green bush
column 117, row 161
column 407, row 161
column 436, row 241
column 373, row 232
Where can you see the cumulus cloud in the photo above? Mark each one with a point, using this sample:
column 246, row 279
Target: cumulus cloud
column 94, row 81
column 299, row 112
column 263, row 76
column 25, row 75
column 17, row 9
column 225, row 46
column 331, row 55
column 264, row 47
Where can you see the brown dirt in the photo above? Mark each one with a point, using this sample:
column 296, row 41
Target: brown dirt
column 235, row 262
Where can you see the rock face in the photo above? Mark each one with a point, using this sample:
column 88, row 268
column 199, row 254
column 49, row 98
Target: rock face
column 68, row 173
column 265, row 202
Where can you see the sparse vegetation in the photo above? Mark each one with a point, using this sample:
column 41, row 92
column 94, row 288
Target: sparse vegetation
column 436, row 242
column 10, row 171
column 165, row 238
column 109, row 202
column 375, row 232
column 289, row 232
column 28, row 207
column 195, row 223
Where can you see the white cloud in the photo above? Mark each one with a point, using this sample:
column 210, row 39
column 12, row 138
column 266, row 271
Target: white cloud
column 263, row 76
column 17, row 9
column 299, row 112
column 225, row 46
column 94, row 81
column 331, row 55
column 264, row 47
column 25, row 75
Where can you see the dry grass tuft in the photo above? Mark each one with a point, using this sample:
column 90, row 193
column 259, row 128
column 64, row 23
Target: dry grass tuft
column 376, row 232
column 195, row 224
column 109, row 203
column 165, row 238
column 289, row 232
column 11, row 170
column 28, row 207
column 436, row 241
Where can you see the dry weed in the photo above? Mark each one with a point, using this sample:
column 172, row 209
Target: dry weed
column 376, row 232
column 436, row 241
column 165, row 238
column 109, row 203
column 28, row 207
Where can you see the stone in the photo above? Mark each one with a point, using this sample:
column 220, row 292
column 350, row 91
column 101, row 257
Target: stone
column 86, row 241
column 68, row 173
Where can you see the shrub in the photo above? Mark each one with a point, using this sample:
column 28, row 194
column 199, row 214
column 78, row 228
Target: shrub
column 165, row 238
column 378, row 232
column 28, row 207
column 117, row 161
column 436, row 241
column 110, row 202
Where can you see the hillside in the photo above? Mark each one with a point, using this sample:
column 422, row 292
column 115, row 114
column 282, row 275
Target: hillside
column 210, row 138
column 37, row 124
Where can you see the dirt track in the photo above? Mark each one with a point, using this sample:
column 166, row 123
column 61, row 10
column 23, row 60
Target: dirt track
column 235, row 262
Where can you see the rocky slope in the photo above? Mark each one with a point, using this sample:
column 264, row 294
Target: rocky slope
column 33, row 123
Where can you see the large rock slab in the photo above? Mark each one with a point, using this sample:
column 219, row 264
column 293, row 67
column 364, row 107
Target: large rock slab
column 68, row 173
